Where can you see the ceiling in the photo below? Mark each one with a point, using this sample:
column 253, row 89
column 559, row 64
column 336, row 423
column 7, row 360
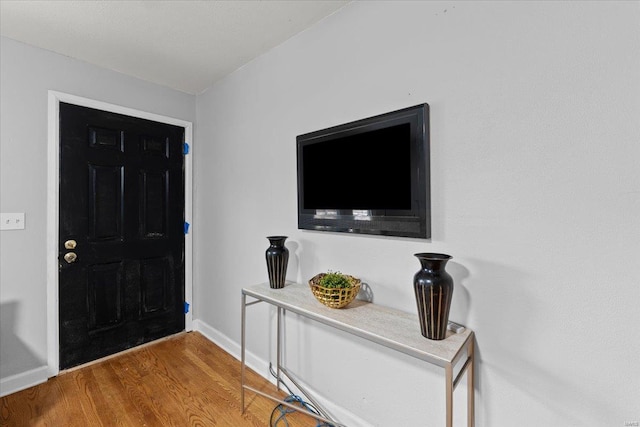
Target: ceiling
column 185, row 45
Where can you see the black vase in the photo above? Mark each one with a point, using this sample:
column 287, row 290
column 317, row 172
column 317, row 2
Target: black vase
column 434, row 288
column 277, row 258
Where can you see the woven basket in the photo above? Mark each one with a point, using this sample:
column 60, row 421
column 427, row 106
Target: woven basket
column 334, row 297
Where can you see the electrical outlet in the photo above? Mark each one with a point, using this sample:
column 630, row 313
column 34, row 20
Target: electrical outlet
column 12, row 221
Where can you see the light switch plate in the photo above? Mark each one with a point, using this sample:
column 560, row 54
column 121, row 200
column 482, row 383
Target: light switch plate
column 12, row 221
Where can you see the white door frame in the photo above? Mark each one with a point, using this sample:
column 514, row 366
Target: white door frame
column 53, row 204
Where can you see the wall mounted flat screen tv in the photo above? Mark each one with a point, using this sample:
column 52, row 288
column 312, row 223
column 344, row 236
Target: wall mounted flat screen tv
column 370, row 176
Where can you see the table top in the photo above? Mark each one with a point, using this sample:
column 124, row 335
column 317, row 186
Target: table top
column 383, row 325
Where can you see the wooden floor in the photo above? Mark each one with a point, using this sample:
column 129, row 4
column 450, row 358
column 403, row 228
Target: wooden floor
column 182, row 381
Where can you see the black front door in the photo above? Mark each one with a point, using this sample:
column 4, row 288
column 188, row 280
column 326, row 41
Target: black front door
column 121, row 249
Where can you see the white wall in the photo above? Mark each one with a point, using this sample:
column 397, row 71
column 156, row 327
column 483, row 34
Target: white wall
column 535, row 192
column 26, row 74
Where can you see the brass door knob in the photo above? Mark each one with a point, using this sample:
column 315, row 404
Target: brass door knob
column 70, row 257
column 70, row 244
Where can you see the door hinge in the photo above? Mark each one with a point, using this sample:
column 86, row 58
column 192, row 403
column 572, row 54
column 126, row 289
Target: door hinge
column 186, row 307
column 186, row 227
column 185, row 148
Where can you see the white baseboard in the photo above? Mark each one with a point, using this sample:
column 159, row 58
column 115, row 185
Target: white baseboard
column 23, row 380
column 227, row 344
column 261, row 366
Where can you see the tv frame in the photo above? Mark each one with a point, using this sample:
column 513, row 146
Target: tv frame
column 415, row 222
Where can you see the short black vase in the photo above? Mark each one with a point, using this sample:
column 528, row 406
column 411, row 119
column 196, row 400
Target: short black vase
column 277, row 259
column 434, row 288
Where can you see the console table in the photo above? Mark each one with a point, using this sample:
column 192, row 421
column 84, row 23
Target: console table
column 385, row 326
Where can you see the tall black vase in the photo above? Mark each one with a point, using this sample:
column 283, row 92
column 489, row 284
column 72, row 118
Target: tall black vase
column 433, row 287
column 277, row 258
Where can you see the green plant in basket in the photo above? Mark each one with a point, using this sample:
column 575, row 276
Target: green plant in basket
column 335, row 280
column 334, row 289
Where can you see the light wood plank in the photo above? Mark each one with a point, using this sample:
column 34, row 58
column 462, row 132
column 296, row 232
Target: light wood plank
column 182, row 381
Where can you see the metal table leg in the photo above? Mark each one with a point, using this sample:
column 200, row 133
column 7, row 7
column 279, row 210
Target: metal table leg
column 449, row 393
column 470, row 385
column 279, row 347
column 242, row 349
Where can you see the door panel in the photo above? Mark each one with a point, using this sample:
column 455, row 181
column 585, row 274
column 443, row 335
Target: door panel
column 106, row 185
column 105, row 296
column 122, row 201
column 155, row 287
column 154, row 188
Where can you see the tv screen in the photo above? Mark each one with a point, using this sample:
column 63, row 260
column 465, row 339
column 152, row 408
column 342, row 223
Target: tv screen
column 370, row 176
